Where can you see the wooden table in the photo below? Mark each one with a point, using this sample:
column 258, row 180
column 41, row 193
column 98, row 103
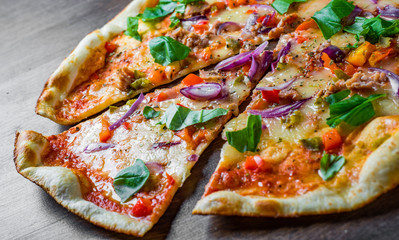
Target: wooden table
column 35, row 36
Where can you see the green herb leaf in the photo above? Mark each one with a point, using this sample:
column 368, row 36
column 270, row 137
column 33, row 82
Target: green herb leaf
column 355, row 110
column 130, row 180
column 329, row 18
column 132, row 27
column 177, row 117
column 149, row 112
column 162, row 9
column 166, row 50
column 247, row 139
column 282, row 6
column 373, row 28
column 330, row 165
column 336, row 97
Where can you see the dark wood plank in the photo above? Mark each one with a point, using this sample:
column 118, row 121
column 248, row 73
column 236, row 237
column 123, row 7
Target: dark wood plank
column 35, row 37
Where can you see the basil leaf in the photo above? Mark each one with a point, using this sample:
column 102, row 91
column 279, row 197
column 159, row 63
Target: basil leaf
column 329, row 18
column 174, row 20
column 282, row 6
column 373, row 28
column 130, row 180
column 162, row 9
column 336, row 97
column 166, row 50
column 330, row 165
column 149, row 112
column 355, row 110
column 132, row 27
column 247, row 139
column 177, row 117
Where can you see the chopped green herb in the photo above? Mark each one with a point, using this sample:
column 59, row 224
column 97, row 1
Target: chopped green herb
column 166, row 50
column 177, row 117
column 140, row 83
column 282, row 6
column 330, row 165
column 329, row 18
column 373, row 28
column 112, row 109
column 130, row 180
column 149, row 112
column 247, row 139
column 313, row 144
column 355, row 110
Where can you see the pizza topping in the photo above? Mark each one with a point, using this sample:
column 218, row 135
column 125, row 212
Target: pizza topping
column 132, row 28
column 110, row 47
column 130, row 180
column 279, row 111
column 150, row 113
column 335, row 53
column 247, row 139
column 202, row 91
column 177, row 117
column 360, row 56
column 329, row 18
column 313, row 144
column 373, row 28
column 355, row 110
column 228, row 27
column 105, row 133
column 279, row 87
column 393, row 79
column 331, row 139
column 330, row 165
column 128, row 113
column 280, row 57
column 166, row 50
column 241, row 59
column 95, row 147
column 194, row 19
column 257, row 164
column 164, row 145
column 282, row 6
column 272, row 96
column 389, row 11
column 142, row 208
column 192, row 79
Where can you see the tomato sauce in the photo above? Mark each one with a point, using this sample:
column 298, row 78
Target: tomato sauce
column 296, row 174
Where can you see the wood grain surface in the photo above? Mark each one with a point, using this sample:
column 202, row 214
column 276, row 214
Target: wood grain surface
column 35, row 36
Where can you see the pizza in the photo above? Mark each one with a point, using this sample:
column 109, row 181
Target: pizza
column 321, row 131
column 319, row 135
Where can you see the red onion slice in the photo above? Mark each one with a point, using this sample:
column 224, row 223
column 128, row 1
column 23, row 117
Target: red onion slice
column 95, row 147
column 253, row 69
column 228, row 26
column 349, row 20
column 192, row 158
column 266, row 7
column 280, row 111
column 279, row 87
column 202, row 91
column 374, row 1
column 335, row 53
column 393, row 79
column 164, row 145
column 241, row 59
column 281, row 54
column 389, row 12
column 194, row 19
column 155, row 168
column 128, row 113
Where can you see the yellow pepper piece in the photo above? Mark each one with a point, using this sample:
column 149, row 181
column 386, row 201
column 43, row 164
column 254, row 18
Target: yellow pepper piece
column 360, row 56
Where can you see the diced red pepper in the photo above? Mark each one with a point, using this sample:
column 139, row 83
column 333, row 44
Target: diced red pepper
column 142, row 208
column 272, row 96
column 192, row 79
column 256, row 163
column 260, row 20
column 110, row 47
column 127, row 125
column 105, row 133
column 331, row 140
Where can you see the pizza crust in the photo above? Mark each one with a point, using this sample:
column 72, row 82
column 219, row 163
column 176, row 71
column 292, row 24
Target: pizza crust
column 84, row 60
column 63, row 185
column 379, row 174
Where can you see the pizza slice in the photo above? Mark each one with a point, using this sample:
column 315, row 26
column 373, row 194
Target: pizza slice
column 321, row 133
column 121, row 169
column 149, row 44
